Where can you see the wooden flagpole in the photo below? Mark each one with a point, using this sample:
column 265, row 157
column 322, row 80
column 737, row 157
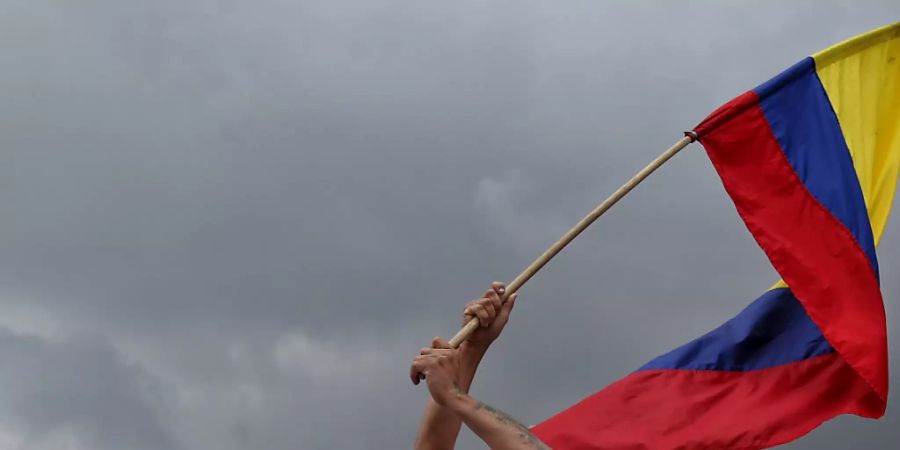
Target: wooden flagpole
column 538, row 263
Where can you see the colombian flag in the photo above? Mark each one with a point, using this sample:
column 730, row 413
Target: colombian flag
column 810, row 159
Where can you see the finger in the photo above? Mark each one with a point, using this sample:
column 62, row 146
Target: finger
column 494, row 299
column 416, row 370
column 475, row 312
column 420, row 366
column 439, row 342
column 499, row 287
column 483, row 318
column 426, row 351
column 439, row 353
column 507, row 307
column 488, row 306
column 467, row 311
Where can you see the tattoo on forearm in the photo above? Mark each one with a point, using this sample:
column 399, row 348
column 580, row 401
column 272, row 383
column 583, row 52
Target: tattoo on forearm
column 507, row 420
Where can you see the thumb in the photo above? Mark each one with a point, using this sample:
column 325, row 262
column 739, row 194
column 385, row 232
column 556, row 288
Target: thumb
column 508, row 306
column 439, row 342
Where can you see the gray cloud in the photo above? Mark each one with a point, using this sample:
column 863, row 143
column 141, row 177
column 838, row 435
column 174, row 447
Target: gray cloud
column 230, row 226
column 76, row 394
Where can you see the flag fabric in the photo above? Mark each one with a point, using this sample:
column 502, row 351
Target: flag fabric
column 810, row 159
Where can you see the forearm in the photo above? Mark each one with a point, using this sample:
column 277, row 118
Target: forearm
column 440, row 426
column 496, row 428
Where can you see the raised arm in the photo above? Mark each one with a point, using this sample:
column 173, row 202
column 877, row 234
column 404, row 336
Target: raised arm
column 441, row 367
column 440, row 427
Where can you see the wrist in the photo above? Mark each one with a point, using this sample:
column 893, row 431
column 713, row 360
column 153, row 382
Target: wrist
column 473, row 350
column 469, row 359
column 457, row 401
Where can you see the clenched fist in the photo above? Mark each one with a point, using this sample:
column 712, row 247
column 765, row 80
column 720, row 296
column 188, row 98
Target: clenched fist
column 492, row 314
column 440, row 366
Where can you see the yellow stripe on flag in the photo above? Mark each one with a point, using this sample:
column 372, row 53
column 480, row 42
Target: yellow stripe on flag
column 861, row 77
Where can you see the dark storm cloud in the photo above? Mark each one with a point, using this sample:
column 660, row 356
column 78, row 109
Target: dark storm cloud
column 260, row 211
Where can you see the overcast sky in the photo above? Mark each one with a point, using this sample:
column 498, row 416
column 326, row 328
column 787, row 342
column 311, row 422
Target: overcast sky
column 230, row 225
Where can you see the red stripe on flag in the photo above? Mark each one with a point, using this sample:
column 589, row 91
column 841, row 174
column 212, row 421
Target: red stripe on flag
column 812, row 250
column 701, row 409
